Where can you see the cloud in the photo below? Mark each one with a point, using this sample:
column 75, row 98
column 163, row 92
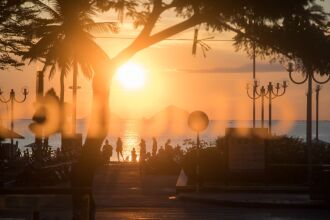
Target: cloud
column 246, row 68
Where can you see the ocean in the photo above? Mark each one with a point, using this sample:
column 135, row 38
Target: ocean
column 131, row 132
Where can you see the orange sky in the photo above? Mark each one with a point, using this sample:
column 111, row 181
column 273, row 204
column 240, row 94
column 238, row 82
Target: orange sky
column 215, row 84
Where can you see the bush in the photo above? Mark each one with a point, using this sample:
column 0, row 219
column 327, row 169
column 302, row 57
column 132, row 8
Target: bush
column 286, row 150
column 210, row 162
column 164, row 163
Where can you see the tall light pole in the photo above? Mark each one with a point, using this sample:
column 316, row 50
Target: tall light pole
column 254, row 98
column 262, row 94
column 309, row 77
column 12, row 99
column 254, row 92
column 198, row 122
column 317, row 93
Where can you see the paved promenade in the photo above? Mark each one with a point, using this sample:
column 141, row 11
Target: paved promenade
column 120, row 192
column 119, row 185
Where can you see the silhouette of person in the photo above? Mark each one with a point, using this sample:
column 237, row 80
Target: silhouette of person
column 107, row 152
column 133, row 155
column 119, row 149
column 168, row 152
column 154, row 147
column 161, row 150
column 168, row 146
column 143, row 150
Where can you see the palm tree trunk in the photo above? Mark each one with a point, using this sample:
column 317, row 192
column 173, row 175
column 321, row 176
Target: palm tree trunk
column 62, row 77
column 99, row 118
column 83, row 172
column 62, row 118
column 74, row 96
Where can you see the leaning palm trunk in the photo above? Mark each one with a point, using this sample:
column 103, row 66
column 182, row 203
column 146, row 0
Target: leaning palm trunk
column 62, row 114
column 62, row 84
column 83, row 172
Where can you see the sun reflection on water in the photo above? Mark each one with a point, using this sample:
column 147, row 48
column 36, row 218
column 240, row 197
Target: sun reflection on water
column 131, row 138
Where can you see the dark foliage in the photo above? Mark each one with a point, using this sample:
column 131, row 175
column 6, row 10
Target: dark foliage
column 17, row 17
column 211, row 164
column 286, row 161
column 288, row 150
column 166, row 162
column 291, row 150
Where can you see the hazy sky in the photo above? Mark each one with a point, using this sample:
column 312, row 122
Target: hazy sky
column 215, row 84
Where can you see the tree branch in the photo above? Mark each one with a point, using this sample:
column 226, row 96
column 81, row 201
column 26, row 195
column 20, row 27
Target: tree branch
column 153, row 18
column 148, row 41
column 248, row 36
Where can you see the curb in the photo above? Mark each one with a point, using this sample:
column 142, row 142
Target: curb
column 240, row 189
column 256, row 204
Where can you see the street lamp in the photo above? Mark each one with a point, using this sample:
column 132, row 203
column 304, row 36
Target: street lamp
column 272, row 94
column 317, row 92
column 309, row 77
column 198, row 122
column 256, row 94
column 255, row 85
column 12, row 99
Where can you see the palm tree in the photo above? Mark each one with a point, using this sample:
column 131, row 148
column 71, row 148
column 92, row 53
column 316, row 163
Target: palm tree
column 66, row 26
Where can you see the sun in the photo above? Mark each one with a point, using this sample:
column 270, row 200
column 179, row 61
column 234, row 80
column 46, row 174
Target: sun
column 131, row 76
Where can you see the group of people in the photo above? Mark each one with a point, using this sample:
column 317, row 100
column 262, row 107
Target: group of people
column 107, row 151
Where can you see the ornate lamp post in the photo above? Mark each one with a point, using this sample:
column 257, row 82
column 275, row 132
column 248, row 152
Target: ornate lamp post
column 262, row 93
column 254, row 98
column 272, row 94
column 254, row 91
column 12, row 99
column 309, row 77
column 198, row 122
column 258, row 93
column 317, row 92
column 255, row 85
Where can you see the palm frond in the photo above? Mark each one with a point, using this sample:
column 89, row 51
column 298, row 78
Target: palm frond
column 48, row 8
column 64, row 64
column 58, row 44
column 86, row 70
column 44, row 68
column 41, row 48
column 40, row 31
column 52, row 71
column 85, row 52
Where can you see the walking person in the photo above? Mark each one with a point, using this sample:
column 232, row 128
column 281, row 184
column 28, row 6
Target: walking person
column 154, row 147
column 133, row 155
column 143, row 150
column 119, row 149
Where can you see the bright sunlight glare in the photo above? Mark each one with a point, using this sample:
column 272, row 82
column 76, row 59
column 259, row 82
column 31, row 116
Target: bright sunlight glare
column 131, row 76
